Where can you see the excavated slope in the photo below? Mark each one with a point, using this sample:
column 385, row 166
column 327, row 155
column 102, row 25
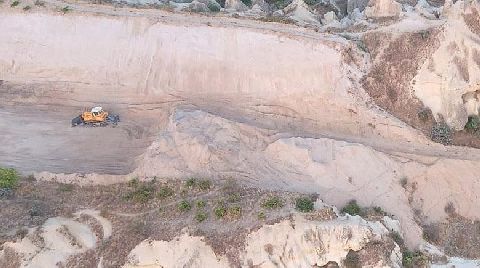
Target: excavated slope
column 275, row 107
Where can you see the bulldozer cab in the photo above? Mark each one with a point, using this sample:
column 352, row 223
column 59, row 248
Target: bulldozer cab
column 96, row 111
column 97, row 114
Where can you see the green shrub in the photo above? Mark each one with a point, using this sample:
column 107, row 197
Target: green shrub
column 184, row 206
column 190, row 183
column 66, row 9
column 352, row 208
column 15, row 3
column 235, row 212
column 407, row 259
column 425, row 34
column 39, row 3
column 473, row 124
column 248, row 3
column 220, row 211
column 204, row 185
column 280, row 4
column 311, row 2
column 8, row 178
column 233, row 198
column 283, row 19
column 273, row 202
column 414, row 259
column 379, row 210
column 201, row 216
column 304, row 204
column 133, row 182
column 213, row 7
column 261, row 215
column 201, row 203
column 165, row 192
column 441, row 133
column 27, row 8
column 142, row 193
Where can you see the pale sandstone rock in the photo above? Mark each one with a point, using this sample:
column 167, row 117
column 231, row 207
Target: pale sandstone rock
column 235, row 5
column 383, row 8
column 62, row 238
column 448, row 80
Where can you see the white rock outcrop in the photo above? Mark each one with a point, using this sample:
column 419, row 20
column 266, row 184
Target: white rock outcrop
column 182, row 251
column 449, row 81
column 383, row 9
column 294, row 243
column 57, row 239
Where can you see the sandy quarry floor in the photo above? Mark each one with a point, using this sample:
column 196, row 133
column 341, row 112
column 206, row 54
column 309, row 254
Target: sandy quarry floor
column 40, row 138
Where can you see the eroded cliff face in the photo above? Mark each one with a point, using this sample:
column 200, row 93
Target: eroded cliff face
column 448, row 82
column 297, row 242
column 57, row 240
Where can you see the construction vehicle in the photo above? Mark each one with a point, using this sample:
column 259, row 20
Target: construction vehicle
column 95, row 117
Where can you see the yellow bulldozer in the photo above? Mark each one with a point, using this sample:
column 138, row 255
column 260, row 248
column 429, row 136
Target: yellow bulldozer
column 95, row 117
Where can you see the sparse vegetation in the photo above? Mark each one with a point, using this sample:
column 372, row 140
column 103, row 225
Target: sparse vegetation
column 190, row 183
column 473, row 124
column 361, row 45
column 304, row 204
column 311, row 2
column 201, row 216
column 64, row 187
column 233, row 198
column 425, row 34
column 165, row 192
column 39, row 3
column 27, row 8
column 352, row 208
column 8, row 178
column 142, row 192
column 280, row 4
column 184, row 206
column 352, row 260
column 15, row 3
column 424, row 114
column 35, row 211
column 234, row 212
column 397, row 238
column 414, row 259
column 261, row 215
column 220, row 211
column 273, row 202
column 66, row 9
column 284, row 20
column 204, row 185
column 379, row 210
column 431, row 233
column 441, row 133
column 201, row 203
